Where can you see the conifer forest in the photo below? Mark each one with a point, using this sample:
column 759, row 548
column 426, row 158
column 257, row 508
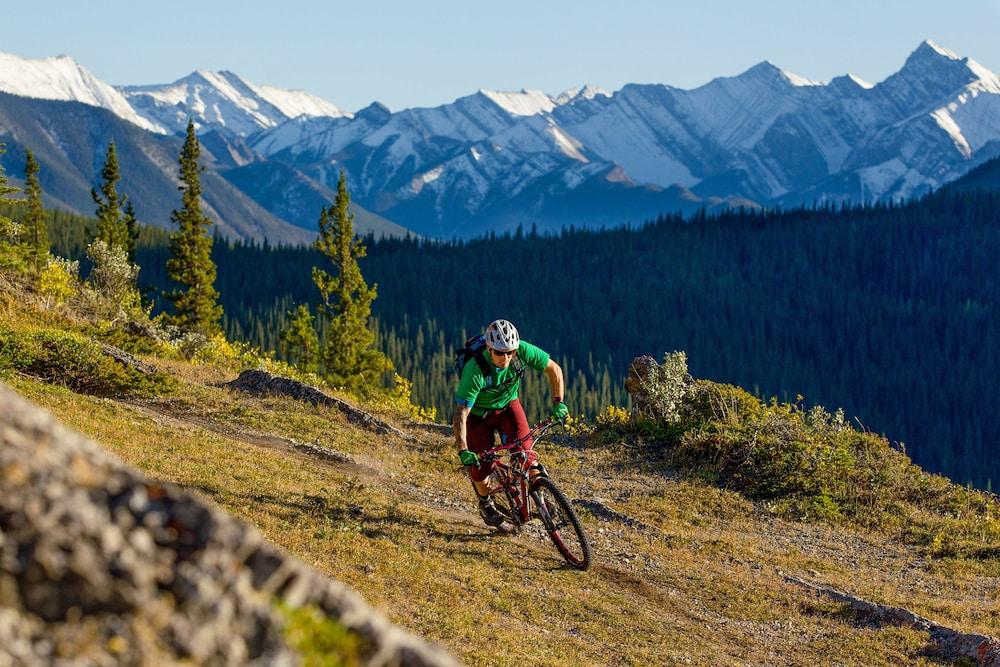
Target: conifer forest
column 888, row 311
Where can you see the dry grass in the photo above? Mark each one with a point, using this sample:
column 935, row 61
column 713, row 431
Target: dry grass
column 703, row 587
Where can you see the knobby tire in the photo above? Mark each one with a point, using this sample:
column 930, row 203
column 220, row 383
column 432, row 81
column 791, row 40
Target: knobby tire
column 561, row 523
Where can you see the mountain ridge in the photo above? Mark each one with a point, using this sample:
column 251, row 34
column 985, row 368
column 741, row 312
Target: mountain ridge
column 765, row 136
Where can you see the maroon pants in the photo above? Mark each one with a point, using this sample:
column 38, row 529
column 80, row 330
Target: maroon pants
column 509, row 421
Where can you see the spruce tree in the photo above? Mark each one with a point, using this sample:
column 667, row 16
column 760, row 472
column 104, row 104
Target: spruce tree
column 299, row 341
column 110, row 224
column 196, row 306
column 348, row 356
column 131, row 229
column 35, row 233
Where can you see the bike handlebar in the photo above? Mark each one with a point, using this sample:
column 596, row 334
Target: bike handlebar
column 536, row 432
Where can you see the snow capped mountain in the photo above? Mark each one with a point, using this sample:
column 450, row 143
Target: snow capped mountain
column 295, row 103
column 226, row 101
column 62, row 78
column 586, row 92
column 524, row 103
column 500, row 158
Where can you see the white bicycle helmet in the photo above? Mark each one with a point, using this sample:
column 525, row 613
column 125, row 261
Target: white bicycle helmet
column 501, row 335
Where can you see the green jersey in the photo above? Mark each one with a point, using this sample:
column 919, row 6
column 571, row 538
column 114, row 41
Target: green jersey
column 493, row 391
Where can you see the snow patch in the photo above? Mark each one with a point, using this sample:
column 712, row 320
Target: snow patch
column 976, row 114
column 524, row 103
column 797, row 80
column 947, row 53
column 990, row 81
column 573, row 178
column 944, row 120
column 569, row 146
column 861, row 82
column 585, row 92
column 419, row 181
column 432, row 175
column 878, row 179
column 295, row 103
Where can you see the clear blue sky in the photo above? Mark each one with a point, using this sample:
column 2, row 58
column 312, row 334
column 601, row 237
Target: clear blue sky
column 406, row 53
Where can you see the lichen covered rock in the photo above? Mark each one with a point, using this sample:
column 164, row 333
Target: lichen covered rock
column 100, row 565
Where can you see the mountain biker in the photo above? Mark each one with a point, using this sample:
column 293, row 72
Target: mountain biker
column 487, row 402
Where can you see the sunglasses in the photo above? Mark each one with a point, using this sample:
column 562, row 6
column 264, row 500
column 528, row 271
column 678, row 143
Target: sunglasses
column 501, row 353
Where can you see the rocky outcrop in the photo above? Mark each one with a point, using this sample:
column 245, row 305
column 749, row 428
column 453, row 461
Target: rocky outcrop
column 263, row 383
column 640, row 375
column 100, row 565
column 985, row 650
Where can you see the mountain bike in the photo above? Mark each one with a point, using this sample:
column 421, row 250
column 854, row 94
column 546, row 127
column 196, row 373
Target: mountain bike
column 522, row 492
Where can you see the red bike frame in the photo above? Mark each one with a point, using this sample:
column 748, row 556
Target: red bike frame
column 513, row 479
column 515, row 490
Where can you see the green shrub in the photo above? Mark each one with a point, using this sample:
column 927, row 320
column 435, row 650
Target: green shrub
column 76, row 362
column 134, row 337
column 807, row 464
column 710, row 401
column 59, row 280
column 110, row 288
column 663, row 387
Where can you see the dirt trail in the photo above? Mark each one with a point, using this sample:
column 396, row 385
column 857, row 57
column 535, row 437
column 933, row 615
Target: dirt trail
column 161, row 413
column 450, row 508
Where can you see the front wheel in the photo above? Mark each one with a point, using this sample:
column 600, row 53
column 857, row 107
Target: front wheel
column 561, row 522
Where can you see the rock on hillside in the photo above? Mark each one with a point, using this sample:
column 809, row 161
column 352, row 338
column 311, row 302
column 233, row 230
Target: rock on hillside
column 100, row 564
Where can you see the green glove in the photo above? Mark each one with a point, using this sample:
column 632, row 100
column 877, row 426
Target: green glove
column 559, row 411
column 468, row 457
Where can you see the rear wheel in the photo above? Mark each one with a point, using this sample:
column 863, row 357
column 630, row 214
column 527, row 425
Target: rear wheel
column 561, row 522
column 506, row 506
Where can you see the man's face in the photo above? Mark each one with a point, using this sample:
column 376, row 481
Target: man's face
column 502, row 359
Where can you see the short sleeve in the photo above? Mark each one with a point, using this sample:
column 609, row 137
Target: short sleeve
column 470, row 384
column 532, row 356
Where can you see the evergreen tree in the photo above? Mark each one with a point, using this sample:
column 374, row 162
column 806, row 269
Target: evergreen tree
column 7, row 226
column 111, row 226
column 299, row 341
column 196, row 306
column 131, row 229
column 35, row 230
column 348, row 356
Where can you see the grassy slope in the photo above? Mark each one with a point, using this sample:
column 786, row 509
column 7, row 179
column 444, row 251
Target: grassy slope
column 705, row 587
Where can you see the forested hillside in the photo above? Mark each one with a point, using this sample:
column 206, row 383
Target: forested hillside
column 889, row 311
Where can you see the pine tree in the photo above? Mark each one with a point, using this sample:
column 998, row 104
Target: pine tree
column 35, row 231
column 348, row 356
column 299, row 340
column 196, row 306
column 7, row 226
column 131, row 229
column 111, row 227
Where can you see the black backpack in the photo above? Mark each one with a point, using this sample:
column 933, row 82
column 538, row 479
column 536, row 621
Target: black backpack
column 472, row 350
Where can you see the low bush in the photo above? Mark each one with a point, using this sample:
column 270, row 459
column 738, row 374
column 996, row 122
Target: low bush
column 74, row 361
column 58, row 281
column 809, row 464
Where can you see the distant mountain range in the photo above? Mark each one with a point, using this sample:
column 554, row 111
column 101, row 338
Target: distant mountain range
column 492, row 161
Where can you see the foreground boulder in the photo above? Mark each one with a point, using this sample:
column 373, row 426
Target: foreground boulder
column 99, row 565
